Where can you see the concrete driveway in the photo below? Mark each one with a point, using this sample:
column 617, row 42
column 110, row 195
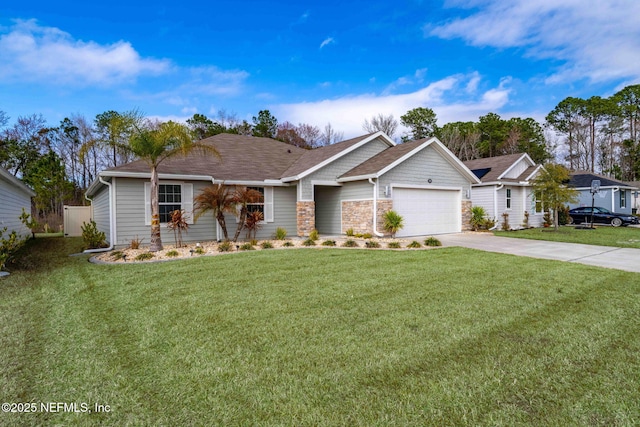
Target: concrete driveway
column 601, row 256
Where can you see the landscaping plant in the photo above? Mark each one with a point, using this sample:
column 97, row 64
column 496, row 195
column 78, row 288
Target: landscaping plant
column 393, row 222
column 93, row 238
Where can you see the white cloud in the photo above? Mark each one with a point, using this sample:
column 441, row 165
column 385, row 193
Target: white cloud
column 595, row 40
column 327, row 41
column 346, row 114
column 32, row 53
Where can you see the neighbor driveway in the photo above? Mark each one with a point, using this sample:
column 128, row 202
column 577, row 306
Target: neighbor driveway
column 601, row 256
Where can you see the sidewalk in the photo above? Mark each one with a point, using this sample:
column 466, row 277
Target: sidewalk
column 600, row 256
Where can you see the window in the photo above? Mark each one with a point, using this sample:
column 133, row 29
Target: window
column 259, row 205
column 508, row 198
column 623, row 199
column 171, row 196
column 169, row 199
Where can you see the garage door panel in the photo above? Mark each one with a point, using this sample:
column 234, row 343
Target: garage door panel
column 427, row 211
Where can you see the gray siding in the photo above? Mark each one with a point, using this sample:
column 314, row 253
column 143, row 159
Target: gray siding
column 425, row 165
column 357, row 190
column 12, row 200
column 603, row 199
column 101, row 213
column 339, row 167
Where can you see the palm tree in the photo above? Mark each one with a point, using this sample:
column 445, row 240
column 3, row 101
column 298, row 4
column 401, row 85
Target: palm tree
column 154, row 144
column 219, row 200
column 242, row 197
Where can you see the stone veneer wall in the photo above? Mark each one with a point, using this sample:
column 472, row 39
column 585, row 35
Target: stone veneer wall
column 466, row 215
column 306, row 217
column 357, row 214
column 383, row 207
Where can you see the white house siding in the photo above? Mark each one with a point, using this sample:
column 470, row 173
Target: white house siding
column 517, row 170
column 425, row 165
column 335, row 169
column 535, row 218
column 484, row 196
column 12, row 200
column 101, row 213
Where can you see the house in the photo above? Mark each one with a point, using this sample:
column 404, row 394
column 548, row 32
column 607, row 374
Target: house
column 613, row 195
column 14, row 197
column 347, row 185
column 506, row 187
column 635, row 196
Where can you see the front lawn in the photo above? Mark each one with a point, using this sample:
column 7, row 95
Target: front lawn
column 621, row 237
column 320, row 337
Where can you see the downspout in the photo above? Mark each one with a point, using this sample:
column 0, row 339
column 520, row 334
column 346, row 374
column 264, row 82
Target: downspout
column 375, row 208
column 111, row 221
column 613, row 198
column 213, row 182
column 495, row 204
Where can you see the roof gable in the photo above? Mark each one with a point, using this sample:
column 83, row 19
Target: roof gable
column 5, row 175
column 582, row 179
column 493, row 169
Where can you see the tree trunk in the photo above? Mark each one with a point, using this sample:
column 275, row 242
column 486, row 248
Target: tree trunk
column 223, row 224
column 156, row 240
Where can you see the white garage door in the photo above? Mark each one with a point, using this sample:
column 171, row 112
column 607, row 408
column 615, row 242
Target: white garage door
column 428, row 212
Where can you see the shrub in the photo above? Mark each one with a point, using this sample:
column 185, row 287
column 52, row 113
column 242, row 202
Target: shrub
column 178, row 223
column 563, row 215
column 350, row 244
column 432, row 241
column 281, row 234
column 200, row 250
column 392, row 222
column 394, row 245
column 477, row 221
column 288, row 244
column 253, row 223
column 225, row 246
column 329, row 243
column 525, row 221
column 144, row 256
column 349, row 232
column 266, row 245
column 247, row 247
column 548, row 221
column 414, row 244
column 314, row 235
column 116, row 255
column 8, row 246
column 371, row 244
column 135, row 243
column 367, row 236
column 172, row 253
column 505, row 222
column 309, row 242
column 93, row 238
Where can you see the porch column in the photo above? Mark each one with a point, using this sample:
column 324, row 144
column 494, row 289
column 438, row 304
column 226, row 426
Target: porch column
column 306, row 217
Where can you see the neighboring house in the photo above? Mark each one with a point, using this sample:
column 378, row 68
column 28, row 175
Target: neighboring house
column 506, row 187
column 613, row 195
column 14, row 196
column 635, row 195
column 347, row 185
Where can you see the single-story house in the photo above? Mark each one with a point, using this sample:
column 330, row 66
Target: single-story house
column 635, row 195
column 347, row 185
column 505, row 187
column 14, row 196
column 613, row 195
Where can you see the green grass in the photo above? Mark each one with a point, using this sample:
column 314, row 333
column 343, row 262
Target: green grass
column 324, row 337
column 621, row 237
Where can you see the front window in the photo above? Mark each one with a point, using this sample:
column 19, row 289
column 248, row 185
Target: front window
column 508, row 198
column 623, row 199
column 169, row 199
column 257, row 206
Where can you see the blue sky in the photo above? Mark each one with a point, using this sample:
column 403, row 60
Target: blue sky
column 313, row 62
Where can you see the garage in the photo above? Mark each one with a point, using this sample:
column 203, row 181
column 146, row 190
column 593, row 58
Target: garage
column 428, row 211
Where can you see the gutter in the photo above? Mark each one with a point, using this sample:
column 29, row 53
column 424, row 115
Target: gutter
column 375, row 208
column 495, row 204
column 111, row 221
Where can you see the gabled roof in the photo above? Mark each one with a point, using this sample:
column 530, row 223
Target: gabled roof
column 313, row 160
column 242, row 158
column 494, row 169
column 393, row 156
column 8, row 177
column 582, row 179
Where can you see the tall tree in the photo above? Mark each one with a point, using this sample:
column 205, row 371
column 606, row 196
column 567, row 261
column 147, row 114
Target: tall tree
column 421, row 122
column 386, row 124
column 330, row 135
column 47, row 177
column 566, row 118
column 24, row 143
column 493, row 134
column 154, row 144
column 628, row 101
column 311, row 134
column 203, row 127
column 265, row 125
column 461, row 138
column 114, row 129
column 550, row 188
column 527, row 136
column 288, row 132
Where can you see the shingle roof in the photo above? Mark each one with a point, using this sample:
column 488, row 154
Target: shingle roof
column 496, row 165
column 312, row 158
column 242, row 158
column 582, row 179
column 383, row 159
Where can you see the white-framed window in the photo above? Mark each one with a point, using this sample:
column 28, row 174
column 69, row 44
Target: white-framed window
column 171, row 196
column 623, row 199
column 265, row 205
column 257, row 206
column 508, row 198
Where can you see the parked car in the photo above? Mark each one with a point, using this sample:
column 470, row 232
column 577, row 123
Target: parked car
column 601, row 216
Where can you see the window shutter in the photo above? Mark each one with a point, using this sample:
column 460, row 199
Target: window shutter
column 268, row 204
column 187, row 201
column 147, row 203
